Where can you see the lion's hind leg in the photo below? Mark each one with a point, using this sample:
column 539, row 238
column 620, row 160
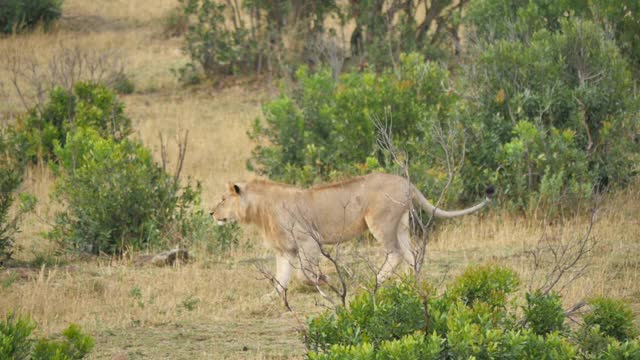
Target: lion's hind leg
column 387, row 234
column 404, row 240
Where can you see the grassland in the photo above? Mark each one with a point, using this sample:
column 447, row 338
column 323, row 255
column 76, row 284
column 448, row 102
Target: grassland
column 213, row 308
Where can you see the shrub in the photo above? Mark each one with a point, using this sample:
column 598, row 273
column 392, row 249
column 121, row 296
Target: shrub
column 76, row 345
column 559, row 128
column 613, row 317
column 122, row 84
column 23, row 15
column 323, row 129
column 390, row 314
column 87, row 105
column 14, row 337
column 213, row 44
column 16, row 342
column 10, row 180
column 489, row 284
column 117, row 197
column 493, row 20
column 485, row 328
column 544, row 313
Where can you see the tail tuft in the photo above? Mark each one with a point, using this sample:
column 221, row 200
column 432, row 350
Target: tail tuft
column 491, row 190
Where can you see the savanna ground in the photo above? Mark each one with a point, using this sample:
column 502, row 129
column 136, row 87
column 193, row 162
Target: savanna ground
column 212, row 308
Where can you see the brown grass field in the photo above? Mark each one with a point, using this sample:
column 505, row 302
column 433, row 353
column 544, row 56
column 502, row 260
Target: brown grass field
column 211, row 308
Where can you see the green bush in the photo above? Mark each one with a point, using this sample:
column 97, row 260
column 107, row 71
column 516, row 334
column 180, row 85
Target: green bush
column 22, row 15
column 390, row 314
column 87, row 105
column 323, row 129
column 471, row 319
column 10, row 180
column 14, row 337
column 16, row 342
column 613, row 317
column 492, row 20
column 117, row 198
column 544, row 313
column 76, row 345
column 560, row 110
column 213, row 44
column 489, row 284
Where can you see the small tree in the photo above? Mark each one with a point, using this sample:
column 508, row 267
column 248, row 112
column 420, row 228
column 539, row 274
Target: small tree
column 87, row 105
column 117, row 197
column 551, row 117
column 214, row 45
column 23, row 15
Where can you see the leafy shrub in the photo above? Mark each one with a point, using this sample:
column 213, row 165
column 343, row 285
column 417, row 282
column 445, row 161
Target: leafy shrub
column 390, row 314
column 325, row 128
column 22, row 15
column 471, row 319
column 10, row 180
column 117, row 197
column 122, row 84
column 613, row 317
column 76, row 345
column 495, row 20
column 544, row 313
column 213, row 45
column 627, row 350
column 88, row 105
column 225, row 238
column 559, row 128
column 16, row 342
column 14, row 337
column 489, row 284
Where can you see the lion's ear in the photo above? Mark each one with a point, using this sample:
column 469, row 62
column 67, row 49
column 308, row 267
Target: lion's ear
column 235, row 188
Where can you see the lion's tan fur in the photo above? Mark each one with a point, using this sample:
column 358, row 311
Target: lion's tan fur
column 296, row 221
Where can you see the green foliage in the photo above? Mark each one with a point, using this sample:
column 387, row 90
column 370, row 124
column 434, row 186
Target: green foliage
column 212, row 43
column 511, row 20
column 613, row 317
column 559, row 109
column 24, row 15
column 76, row 345
column 326, row 128
column 10, row 180
column 411, row 347
column 87, row 105
column 391, row 313
column 225, row 238
column 627, row 350
column 14, row 337
column 123, row 84
column 489, row 284
column 117, row 197
column 544, row 313
column 430, row 28
column 471, row 319
column 16, row 341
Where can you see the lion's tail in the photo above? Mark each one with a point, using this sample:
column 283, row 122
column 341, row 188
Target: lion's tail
column 444, row 214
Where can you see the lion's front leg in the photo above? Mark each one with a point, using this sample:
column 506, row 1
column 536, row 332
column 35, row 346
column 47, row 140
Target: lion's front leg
column 309, row 255
column 284, row 270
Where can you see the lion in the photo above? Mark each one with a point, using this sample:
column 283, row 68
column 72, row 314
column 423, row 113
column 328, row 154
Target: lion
column 295, row 222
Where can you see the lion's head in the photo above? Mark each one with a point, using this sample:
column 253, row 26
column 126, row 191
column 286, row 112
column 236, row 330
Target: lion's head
column 232, row 207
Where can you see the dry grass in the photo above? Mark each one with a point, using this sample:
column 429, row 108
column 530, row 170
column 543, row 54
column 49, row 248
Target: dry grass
column 213, row 308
